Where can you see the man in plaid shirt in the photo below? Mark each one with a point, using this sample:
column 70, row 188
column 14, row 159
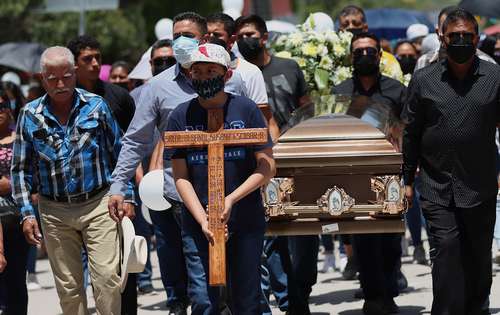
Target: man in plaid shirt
column 71, row 141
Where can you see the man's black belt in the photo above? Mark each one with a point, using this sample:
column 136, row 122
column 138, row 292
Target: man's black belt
column 79, row 197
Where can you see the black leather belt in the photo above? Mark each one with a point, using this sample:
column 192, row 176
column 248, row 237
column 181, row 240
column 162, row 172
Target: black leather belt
column 77, row 198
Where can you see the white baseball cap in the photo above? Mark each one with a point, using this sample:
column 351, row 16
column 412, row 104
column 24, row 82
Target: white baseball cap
column 11, row 77
column 209, row 53
column 416, row 30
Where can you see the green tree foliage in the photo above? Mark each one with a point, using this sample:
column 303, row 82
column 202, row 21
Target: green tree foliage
column 120, row 32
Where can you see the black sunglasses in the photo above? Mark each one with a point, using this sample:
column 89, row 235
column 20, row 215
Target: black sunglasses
column 370, row 51
column 161, row 61
column 456, row 36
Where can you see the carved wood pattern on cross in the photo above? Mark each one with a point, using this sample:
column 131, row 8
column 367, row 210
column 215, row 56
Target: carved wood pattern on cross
column 215, row 139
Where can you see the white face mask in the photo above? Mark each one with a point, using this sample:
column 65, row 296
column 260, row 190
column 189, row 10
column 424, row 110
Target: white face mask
column 183, row 47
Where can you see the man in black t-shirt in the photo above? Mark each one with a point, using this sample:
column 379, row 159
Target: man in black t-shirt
column 378, row 255
column 291, row 261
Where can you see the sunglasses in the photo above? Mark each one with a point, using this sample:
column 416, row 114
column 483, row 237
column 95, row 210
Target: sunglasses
column 370, row 51
column 456, row 36
column 162, row 61
column 185, row 34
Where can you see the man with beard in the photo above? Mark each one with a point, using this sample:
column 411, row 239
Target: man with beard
column 452, row 113
column 378, row 255
column 292, row 261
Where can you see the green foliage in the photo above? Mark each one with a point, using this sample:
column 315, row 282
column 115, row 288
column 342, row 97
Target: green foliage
column 120, row 33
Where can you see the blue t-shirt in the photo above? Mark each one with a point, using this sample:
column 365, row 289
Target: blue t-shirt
column 239, row 162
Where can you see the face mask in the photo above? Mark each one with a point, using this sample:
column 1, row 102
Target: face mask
column 183, row 47
column 407, row 64
column 249, row 47
column 122, row 84
column 209, row 88
column 460, row 50
column 161, row 64
column 366, row 65
column 355, row 31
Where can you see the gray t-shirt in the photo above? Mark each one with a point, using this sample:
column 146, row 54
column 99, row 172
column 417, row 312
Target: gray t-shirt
column 285, row 85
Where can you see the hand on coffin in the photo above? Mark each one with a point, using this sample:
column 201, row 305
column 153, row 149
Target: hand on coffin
column 409, row 195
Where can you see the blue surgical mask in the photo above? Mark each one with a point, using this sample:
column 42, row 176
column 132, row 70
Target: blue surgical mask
column 183, row 47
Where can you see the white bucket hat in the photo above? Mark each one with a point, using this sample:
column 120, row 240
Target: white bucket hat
column 134, row 251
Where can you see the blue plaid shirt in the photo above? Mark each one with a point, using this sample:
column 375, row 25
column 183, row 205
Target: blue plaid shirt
column 72, row 159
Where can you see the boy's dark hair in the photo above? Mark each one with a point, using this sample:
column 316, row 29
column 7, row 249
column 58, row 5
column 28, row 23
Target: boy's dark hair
column 160, row 44
column 225, row 19
column 404, row 41
column 447, row 10
column 352, row 10
column 122, row 64
column 366, row 35
column 76, row 45
column 193, row 17
column 460, row 15
column 253, row 19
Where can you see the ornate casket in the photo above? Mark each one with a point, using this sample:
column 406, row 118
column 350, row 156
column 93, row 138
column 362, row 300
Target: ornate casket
column 337, row 172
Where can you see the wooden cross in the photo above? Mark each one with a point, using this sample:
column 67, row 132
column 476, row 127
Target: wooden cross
column 216, row 138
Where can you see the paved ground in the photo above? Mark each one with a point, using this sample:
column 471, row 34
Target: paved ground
column 330, row 295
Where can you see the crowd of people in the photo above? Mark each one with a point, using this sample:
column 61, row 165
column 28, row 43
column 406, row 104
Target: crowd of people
column 74, row 149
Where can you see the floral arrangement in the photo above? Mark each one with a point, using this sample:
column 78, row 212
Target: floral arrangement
column 323, row 57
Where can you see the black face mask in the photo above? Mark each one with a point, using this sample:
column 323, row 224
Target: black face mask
column 366, row 65
column 355, row 31
column 460, row 50
column 407, row 63
column 209, row 88
column 161, row 64
column 123, row 85
column 249, row 47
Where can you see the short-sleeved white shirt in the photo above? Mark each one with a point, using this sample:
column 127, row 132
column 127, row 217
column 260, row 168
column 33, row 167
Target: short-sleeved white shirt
column 254, row 86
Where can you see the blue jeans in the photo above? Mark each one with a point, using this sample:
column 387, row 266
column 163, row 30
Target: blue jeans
column 275, row 267
column 414, row 217
column 170, row 256
column 243, row 252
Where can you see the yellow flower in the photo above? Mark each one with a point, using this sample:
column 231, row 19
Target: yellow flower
column 301, row 62
column 310, row 49
column 284, row 54
column 338, row 50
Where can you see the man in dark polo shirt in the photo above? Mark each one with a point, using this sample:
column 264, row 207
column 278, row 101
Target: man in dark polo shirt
column 452, row 112
column 378, row 255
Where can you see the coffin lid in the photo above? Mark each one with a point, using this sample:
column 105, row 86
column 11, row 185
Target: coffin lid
column 331, row 127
